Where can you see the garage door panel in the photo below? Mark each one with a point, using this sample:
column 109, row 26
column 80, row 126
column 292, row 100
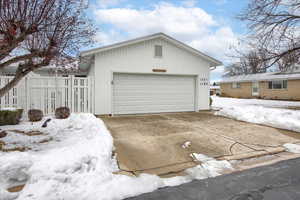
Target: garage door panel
column 143, row 87
column 154, row 109
column 137, row 93
column 151, row 103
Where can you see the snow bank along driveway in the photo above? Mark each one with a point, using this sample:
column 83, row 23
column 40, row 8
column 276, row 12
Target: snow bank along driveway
column 268, row 112
column 77, row 164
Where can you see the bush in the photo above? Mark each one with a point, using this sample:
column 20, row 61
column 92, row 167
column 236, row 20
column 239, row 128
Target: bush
column 210, row 101
column 10, row 117
column 62, row 112
column 3, row 134
column 35, row 115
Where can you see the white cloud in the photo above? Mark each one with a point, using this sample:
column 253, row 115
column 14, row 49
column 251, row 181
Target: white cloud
column 164, row 17
column 217, row 44
column 191, row 25
column 109, row 37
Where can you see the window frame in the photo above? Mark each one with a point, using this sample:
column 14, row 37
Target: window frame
column 236, row 85
column 283, row 83
column 155, row 51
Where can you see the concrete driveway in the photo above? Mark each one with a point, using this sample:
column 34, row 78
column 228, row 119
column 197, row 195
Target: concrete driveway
column 153, row 143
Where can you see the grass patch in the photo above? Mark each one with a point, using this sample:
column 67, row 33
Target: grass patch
column 29, row 133
column 17, row 188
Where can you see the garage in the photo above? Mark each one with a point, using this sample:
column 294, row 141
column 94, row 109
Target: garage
column 150, row 74
column 151, row 93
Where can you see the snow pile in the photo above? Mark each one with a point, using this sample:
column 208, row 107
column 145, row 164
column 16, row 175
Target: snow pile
column 293, row 148
column 254, row 111
column 9, row 109
column 209, row 167
column 221, row 102
column 82, row 148
column 5, row 195
column 16, row 140
column 78, row 164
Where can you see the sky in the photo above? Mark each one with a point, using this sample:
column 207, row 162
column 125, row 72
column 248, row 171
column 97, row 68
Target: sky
column 209, row 26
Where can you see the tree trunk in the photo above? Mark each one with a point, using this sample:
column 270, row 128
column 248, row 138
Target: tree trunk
column 11, row 84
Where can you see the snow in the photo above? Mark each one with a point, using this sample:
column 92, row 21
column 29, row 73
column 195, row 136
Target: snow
column 267, row 112
column 186, row 144
column 261, row 77
column 293, row 148
column 5, row 195
column 78, row 164
column 9, row 109
column 16, row 140
column 222, row 102
column 209, row 167
column 214, row 87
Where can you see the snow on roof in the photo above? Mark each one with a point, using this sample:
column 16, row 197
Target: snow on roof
column 261, row 77
column 214, row 87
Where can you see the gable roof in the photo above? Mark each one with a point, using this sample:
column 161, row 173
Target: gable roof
column 214, row 62
column 261, row 77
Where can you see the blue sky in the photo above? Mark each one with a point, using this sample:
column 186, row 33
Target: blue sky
column 209, row 26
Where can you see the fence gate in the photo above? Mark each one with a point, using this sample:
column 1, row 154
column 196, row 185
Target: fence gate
column 16, row 97
column 48, row 93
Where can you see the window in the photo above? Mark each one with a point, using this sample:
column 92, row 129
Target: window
column 158, row 51
column 236, row 85
column 278, row 84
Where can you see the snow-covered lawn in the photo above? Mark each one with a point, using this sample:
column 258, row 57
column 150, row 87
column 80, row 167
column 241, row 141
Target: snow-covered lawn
column 77, row 163
column 268, row 112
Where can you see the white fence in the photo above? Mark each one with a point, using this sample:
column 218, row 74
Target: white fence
column 48, row 93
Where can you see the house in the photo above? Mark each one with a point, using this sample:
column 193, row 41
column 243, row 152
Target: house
column 151, row 74
column 271, row 85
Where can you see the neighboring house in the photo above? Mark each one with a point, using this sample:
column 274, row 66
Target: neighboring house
column 215, row 90
column 150, row 74
column 272, row 85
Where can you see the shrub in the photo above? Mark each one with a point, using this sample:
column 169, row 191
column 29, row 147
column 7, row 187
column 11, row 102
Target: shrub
column 210, row 101
column 35, row 115
column 62, row 112
column 3, row 134
column 10, row 117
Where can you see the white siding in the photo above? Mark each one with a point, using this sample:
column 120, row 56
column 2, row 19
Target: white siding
column 139, row 58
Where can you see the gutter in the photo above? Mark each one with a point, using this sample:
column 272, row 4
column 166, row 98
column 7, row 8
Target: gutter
column 213, row 68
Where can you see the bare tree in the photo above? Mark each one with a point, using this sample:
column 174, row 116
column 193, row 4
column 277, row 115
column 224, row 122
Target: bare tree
column 37, row 33
column 275, row 30
column 251, row 62
column 234, row 69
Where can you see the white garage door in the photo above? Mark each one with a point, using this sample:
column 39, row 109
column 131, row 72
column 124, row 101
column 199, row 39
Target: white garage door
column 140, row 93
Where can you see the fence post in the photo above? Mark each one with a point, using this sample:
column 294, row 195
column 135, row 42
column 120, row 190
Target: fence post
column 27, row 94
column 72, row 93
column 91, row 94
